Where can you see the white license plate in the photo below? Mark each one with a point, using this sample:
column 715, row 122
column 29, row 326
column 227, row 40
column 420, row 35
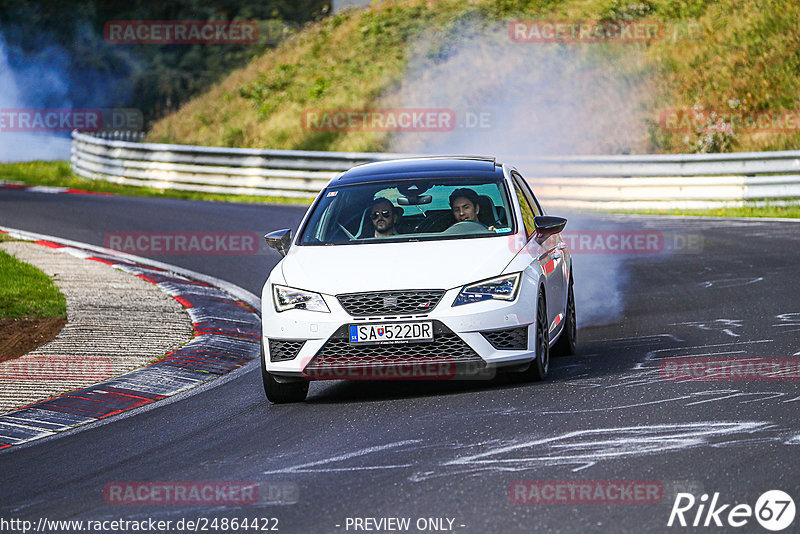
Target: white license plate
column 391, row 333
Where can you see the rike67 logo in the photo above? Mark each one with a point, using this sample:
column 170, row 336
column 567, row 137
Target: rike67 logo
column 774, row 510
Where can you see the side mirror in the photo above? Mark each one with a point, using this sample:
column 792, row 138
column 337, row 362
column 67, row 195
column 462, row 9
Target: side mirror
column 280, row 240
column 547, row 225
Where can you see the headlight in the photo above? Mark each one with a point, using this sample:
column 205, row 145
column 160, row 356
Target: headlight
column 287, row 298
column 500, row 288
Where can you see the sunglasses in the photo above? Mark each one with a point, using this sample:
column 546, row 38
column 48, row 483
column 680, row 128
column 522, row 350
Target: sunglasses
column 383, row 213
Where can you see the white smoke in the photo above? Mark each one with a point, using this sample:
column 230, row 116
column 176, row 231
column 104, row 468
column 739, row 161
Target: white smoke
column 48, row 77
column 543, row 100
column 39, row 82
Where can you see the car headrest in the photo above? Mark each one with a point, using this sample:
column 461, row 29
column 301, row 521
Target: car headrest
column 487, row 213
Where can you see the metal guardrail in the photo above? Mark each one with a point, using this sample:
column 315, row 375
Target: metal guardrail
column 603, row 182
column 211, row 169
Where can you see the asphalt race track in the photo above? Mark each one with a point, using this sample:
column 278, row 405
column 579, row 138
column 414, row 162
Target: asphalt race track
column 453, row 450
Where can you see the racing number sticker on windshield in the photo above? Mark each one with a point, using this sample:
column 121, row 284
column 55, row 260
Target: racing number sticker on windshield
column 376, row 333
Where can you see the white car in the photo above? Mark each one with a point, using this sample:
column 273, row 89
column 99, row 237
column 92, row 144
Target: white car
column 421, row 268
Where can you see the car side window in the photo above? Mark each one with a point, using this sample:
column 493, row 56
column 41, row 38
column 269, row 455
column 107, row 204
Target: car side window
column 527, row 211
column 537, row 209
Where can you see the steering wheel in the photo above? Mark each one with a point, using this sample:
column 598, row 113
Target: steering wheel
column 465, row 227
column 432, row 223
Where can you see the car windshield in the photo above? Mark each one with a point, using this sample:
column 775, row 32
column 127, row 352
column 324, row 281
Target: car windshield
column 409, row 210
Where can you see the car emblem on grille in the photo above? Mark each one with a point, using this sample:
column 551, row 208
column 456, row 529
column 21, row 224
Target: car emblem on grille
column 424, row 304
column 389, row 302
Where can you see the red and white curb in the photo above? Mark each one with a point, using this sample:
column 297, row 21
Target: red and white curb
column 49, row 189
column 227, row 331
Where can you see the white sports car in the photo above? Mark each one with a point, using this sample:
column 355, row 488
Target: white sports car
column 422, row 268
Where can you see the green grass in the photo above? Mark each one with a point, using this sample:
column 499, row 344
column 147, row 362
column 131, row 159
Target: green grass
column 59, row 174
column 26, row 292
column 741, row 55
column 343, row 62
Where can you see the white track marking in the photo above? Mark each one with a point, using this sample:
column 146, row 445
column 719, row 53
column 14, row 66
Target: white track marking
column 730, row 282
column 313, row 466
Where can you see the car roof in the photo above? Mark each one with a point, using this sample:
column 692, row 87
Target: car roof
column 440, row 167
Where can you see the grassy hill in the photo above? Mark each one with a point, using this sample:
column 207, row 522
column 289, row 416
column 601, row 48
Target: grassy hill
column 735, row 57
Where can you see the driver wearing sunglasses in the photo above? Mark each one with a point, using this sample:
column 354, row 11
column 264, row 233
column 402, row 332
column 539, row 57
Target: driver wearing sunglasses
column 384, row 217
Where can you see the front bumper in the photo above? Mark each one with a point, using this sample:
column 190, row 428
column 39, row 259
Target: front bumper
column 460, row 339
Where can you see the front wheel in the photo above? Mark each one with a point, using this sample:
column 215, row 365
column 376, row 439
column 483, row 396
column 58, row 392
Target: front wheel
column 566, row 343
column 282, row 392
column 538, row 369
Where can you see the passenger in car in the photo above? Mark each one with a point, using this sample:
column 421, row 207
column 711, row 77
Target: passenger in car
column 466, row 206
column 384, row 217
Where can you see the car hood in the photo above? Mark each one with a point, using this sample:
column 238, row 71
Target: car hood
column 416, row 265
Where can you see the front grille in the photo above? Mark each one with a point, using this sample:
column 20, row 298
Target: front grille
column 382, row 303
column 339, row 353
column 509, row 338
column 284, row 349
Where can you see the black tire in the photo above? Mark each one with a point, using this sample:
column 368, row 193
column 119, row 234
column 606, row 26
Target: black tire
column 538, row 368
column 292, row 390
column 568, row 340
